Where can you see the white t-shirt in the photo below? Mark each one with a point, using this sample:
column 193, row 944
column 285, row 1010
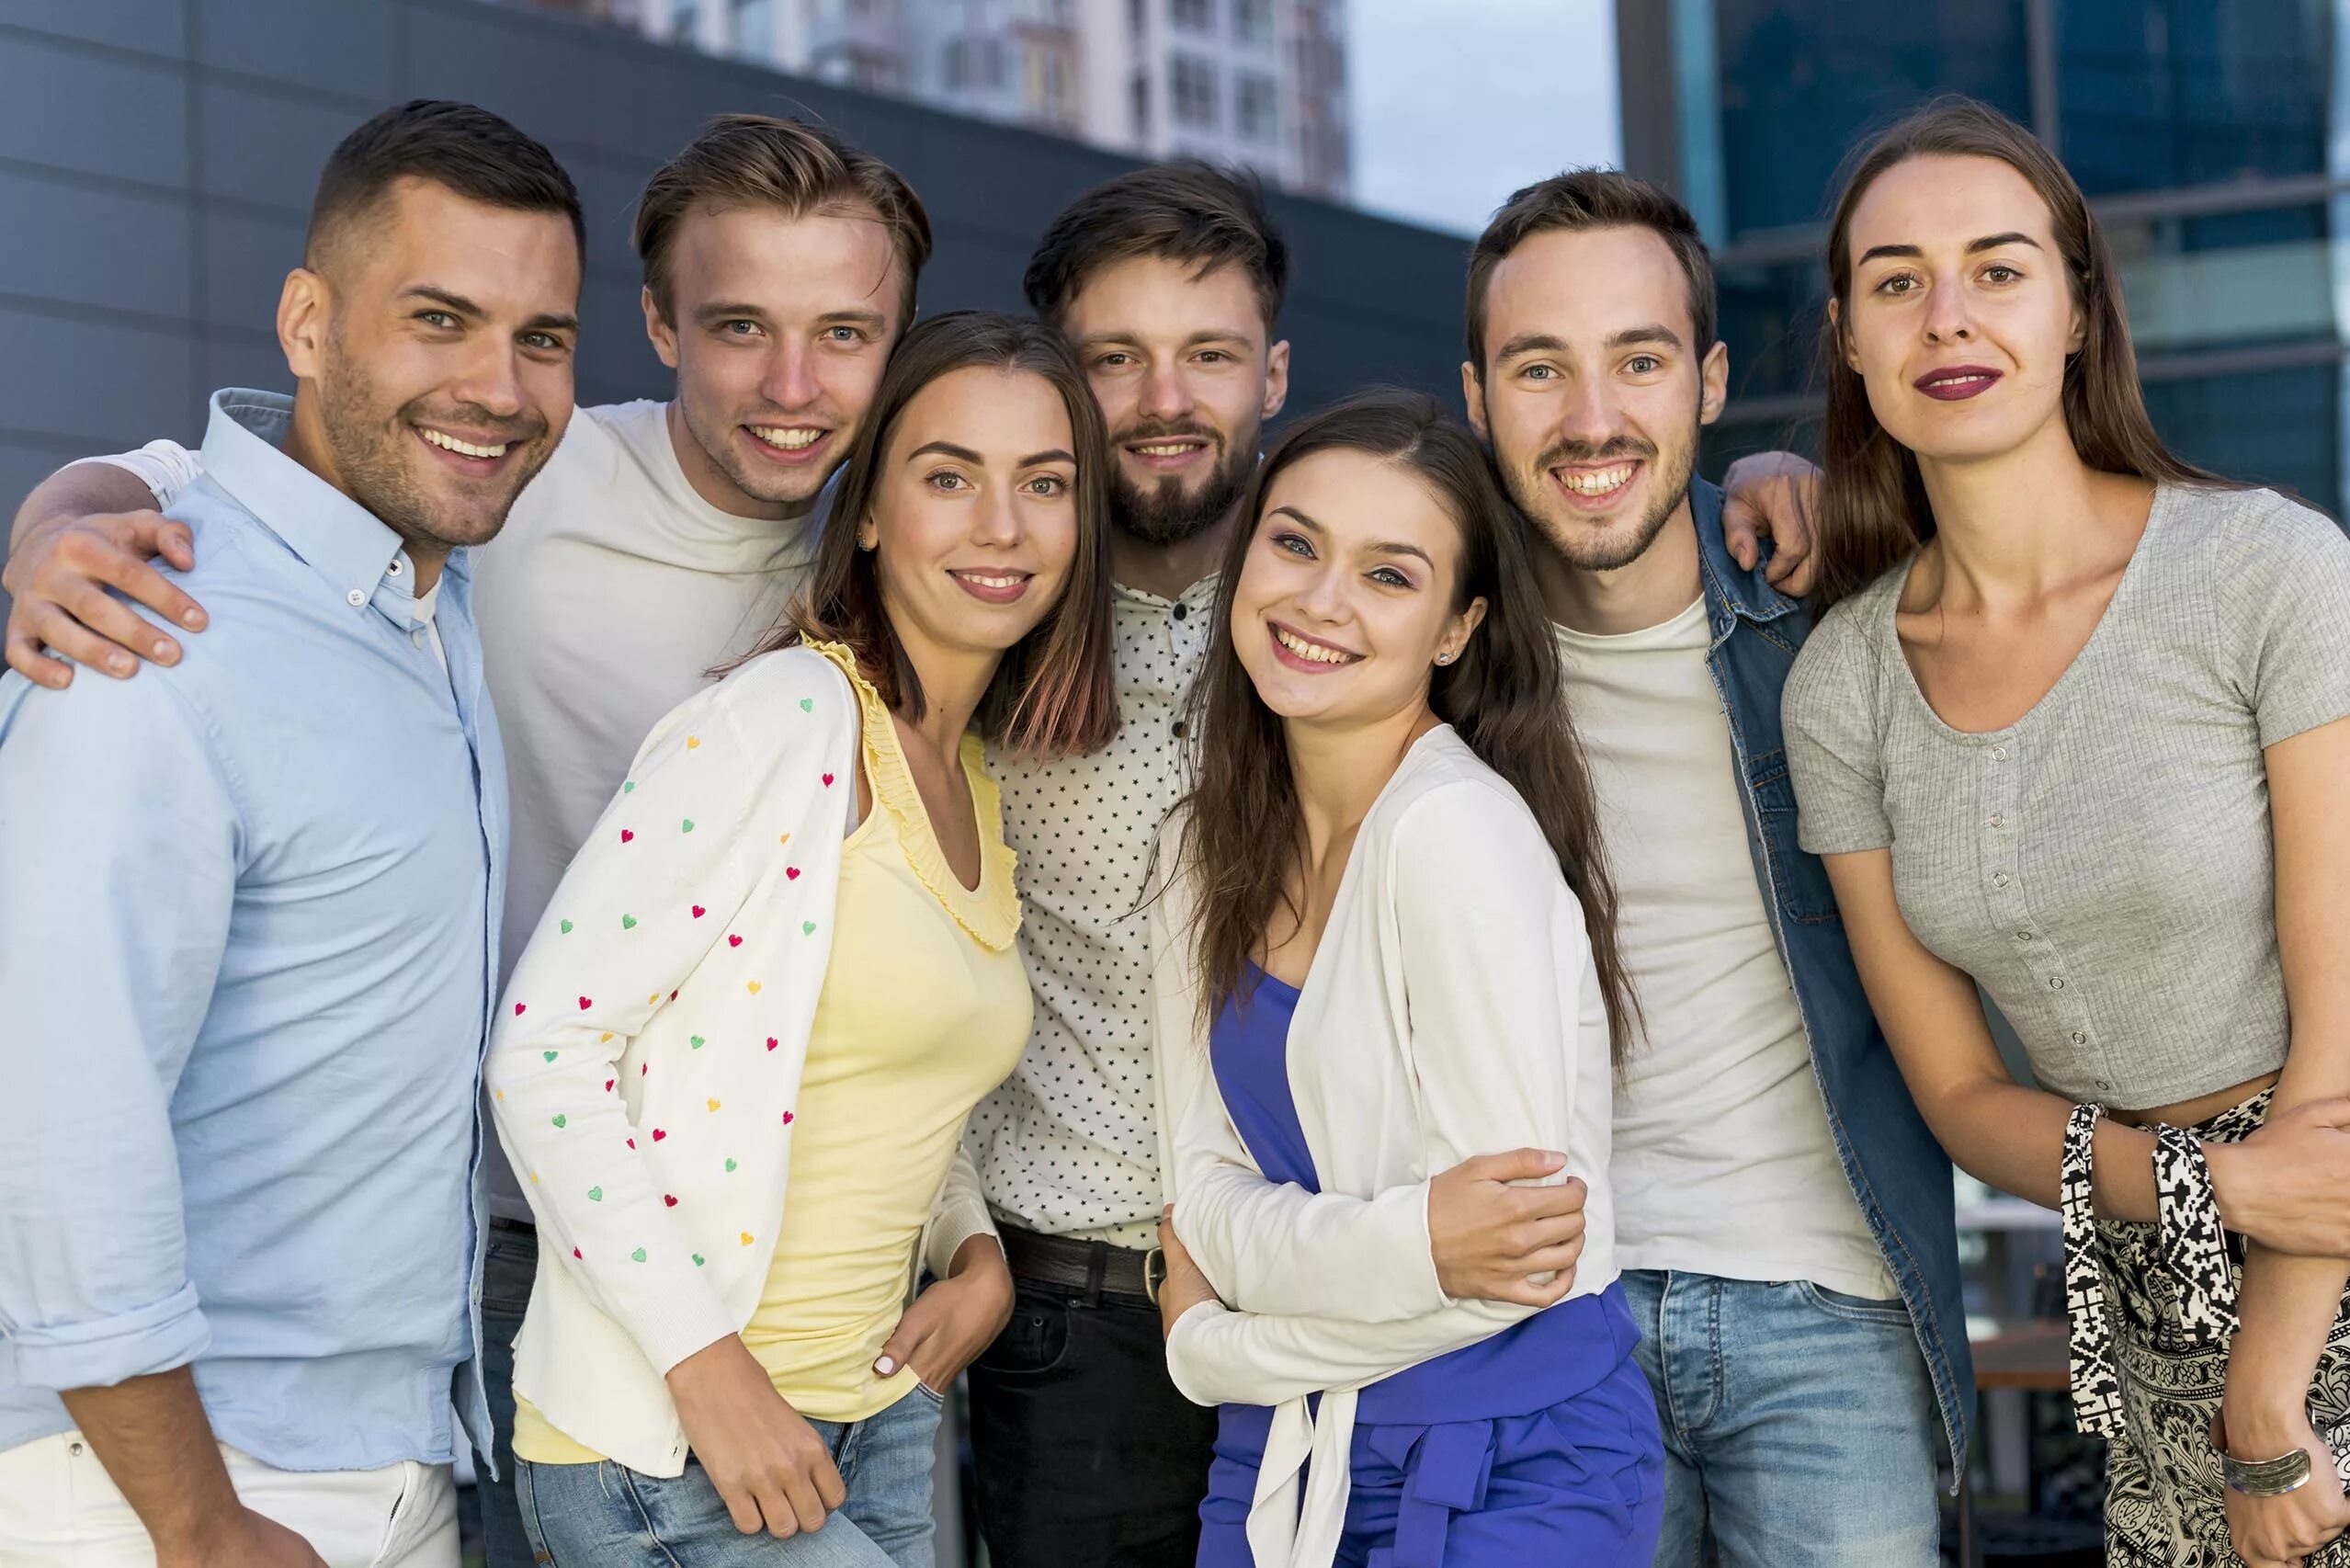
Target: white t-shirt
column 606, row 599
column 1722, row 1162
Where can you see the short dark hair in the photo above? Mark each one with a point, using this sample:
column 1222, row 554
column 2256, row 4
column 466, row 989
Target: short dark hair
column 1186, row 212
column 1591, row 199
column 757, row 159
column 471, row 151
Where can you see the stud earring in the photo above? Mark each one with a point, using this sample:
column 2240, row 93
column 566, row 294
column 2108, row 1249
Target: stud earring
column 1444, row 658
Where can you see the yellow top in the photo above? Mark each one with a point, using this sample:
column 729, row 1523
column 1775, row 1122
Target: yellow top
column 924, row 1008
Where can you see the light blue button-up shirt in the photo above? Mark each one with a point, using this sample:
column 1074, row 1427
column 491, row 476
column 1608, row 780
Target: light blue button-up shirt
column 248, row 947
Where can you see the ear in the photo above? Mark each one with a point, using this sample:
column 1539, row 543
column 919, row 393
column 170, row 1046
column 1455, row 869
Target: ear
column 1844, row 338
column 868, row 533
column 1713, row 381
column 1464, row 626
column 2080, row 333
column 657, row 327
column 1473, row 398
column 1276, row 379
column 305, row 306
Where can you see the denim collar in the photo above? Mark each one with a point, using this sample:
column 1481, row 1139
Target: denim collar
column 1731, row 590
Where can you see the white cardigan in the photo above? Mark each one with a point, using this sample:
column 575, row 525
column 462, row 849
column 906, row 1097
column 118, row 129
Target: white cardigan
column 650, row 1045
column 1451, row 1010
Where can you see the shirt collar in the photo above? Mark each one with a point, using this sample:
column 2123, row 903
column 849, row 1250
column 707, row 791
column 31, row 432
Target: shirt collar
column 340, row 540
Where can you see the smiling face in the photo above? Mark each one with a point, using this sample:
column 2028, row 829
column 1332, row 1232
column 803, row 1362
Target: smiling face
column 780, row 329
column 1960, row 316
column 1345, row 597
column 1594, row 390
column 973, row 524
column 433, row 343
column 1186, row 379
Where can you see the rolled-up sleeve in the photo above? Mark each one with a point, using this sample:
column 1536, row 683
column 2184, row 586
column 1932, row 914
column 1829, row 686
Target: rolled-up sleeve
column 119, row 842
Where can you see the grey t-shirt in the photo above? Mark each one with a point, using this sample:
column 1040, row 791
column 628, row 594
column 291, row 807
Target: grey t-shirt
column 2103, row 867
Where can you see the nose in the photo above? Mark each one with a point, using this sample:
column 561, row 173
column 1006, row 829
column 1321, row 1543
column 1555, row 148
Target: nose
column 492, row 380
column 1166, row 395
column 1322, row 597
column 1590, row 418
column 791, row 380
column 996, row 521
column 1948, row 318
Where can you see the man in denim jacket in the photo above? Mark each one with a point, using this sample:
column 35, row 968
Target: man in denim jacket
column 1783, row 1214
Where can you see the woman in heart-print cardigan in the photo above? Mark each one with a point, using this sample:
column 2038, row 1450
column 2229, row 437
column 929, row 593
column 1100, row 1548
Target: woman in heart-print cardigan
column 785, row 958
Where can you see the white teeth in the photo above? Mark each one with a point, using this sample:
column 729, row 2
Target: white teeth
column 1176, row 450
column 1315, row 651
column 463, row 448
column 794, row 439
column 986, row 581
column 1595, row 481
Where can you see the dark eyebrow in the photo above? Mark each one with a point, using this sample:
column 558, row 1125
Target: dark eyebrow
column 1212, row 334
column 1054, row 455
column 551, row 321
column 1989, row 242
column 947, row 449
column 1654, row 332
column 458, row 303
column 1530, row 342
column 1382, row 548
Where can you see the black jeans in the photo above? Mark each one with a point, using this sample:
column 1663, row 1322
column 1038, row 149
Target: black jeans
column 1086, row 1455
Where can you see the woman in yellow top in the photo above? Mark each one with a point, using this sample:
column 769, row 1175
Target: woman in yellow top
column 735, row 1060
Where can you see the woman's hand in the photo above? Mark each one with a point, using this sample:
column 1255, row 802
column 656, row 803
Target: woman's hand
column 2281, row 1533
column 957, row 1318
column 2283, row 1186
column 771, row 1469
column 1184, row 1286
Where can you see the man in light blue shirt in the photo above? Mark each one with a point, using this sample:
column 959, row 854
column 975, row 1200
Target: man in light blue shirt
column 248, row 932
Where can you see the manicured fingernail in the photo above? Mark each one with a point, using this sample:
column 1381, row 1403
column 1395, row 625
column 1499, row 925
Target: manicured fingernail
column 885, row 1366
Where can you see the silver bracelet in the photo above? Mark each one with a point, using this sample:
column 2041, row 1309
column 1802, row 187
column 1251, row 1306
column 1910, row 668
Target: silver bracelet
column 2259, row 1478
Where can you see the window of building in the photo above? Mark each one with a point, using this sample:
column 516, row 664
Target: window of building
column 1257, row 108
column 1252, row 20
column 959, row 65
column 755, row 28
column 1192, row 85
column 1138, row 96
column 1193, row 15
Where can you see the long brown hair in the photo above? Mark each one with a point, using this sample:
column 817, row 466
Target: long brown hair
column 1503, row 695
column 1873, row 510
column 1053, row 692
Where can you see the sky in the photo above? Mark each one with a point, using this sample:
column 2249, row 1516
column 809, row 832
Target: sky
column 1448, row 119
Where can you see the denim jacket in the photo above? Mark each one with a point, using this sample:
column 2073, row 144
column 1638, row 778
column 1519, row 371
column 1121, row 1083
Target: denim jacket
column 1897, row 1170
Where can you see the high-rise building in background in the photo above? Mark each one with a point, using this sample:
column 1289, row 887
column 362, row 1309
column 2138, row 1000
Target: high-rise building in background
column 2213, row 138
column 1261, row 83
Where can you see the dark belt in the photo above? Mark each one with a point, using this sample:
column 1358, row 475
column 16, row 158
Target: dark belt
column 1095, row 1269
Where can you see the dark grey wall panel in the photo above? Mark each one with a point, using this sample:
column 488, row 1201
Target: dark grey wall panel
column 157, row 159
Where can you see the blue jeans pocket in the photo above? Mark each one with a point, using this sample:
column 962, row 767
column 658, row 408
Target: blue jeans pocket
column 1890, row 1313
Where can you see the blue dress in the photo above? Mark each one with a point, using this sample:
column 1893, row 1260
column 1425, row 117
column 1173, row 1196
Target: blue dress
column 1537, row 1445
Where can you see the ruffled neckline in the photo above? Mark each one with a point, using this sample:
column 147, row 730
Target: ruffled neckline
column 990, row 911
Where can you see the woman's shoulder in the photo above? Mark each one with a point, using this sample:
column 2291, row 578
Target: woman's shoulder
column 786, row 703
column 2228, row 529
column 1841, row 663
column 1446, row 804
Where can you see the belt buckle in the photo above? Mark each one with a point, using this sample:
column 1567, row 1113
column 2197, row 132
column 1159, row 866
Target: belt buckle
column 1155, row 1274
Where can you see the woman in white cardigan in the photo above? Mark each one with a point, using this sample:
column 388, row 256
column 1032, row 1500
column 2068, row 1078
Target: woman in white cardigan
column 1388, row 945
column 734, row 1062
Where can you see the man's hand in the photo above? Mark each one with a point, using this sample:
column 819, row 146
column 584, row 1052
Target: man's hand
column 58, row 573
column 1184, row 1286
column 1776, row 493
column 770, row 1468
column 957, row 1318
column 245, row 1540
column 1491, row 1239
column 2283, row 1186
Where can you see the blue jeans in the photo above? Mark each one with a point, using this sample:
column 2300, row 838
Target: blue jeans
column 1799, row 1424
column 513, row 1262
column 607, row 1516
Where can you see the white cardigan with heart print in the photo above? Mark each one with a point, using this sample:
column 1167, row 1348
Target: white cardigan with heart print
column 649, row 1049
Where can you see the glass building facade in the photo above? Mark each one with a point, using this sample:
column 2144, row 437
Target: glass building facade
column 2213, row 138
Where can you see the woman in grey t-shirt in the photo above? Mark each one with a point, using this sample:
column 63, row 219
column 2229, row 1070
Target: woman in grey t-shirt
column 2070, row 733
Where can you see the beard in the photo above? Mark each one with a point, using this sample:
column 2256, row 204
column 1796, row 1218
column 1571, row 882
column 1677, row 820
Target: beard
column 1616, row 547
column 1160, row 512
column 370, row 452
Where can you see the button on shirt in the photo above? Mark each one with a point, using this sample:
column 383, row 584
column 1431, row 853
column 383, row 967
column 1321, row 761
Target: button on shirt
column 247, row 942
column 1069, row 1144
